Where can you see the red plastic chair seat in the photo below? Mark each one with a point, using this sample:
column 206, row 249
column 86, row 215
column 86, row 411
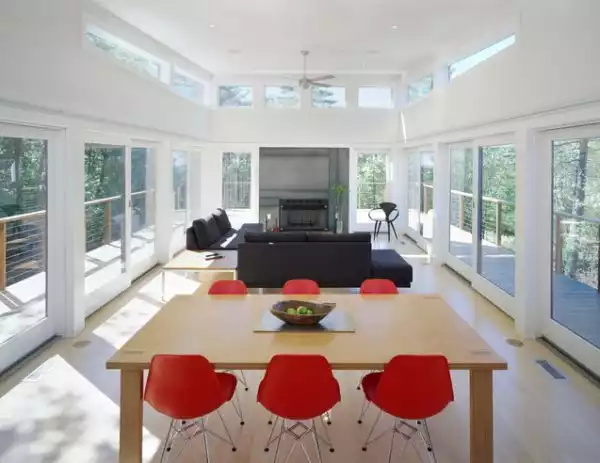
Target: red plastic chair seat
column 227, row 383
column 301, row 287
column 369, row 385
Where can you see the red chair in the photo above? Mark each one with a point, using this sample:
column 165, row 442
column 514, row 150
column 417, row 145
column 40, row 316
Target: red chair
column 378, row 286
column 411, row 387
column 187, row 389
column 298, row 388
column 301, row 287
column 225, row 288
column 228, row 287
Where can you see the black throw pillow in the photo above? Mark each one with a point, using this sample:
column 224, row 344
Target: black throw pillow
column 222, row 220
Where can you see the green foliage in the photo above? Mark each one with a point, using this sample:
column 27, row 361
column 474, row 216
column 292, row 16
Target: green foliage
column 371, row 186
column 237, row 174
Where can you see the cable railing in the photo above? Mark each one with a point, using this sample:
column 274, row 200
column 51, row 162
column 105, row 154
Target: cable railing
column 23, row 236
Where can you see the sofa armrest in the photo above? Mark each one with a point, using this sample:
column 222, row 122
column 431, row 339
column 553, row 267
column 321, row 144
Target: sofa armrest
column 191, row 244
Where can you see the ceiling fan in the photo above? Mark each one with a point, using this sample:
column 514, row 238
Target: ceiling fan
column 306, row 82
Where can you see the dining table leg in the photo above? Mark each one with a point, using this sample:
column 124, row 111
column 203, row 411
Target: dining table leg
column 132, row 407
column 481, row 416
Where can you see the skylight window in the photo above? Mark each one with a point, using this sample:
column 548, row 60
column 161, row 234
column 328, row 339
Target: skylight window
column 463, row 65
column 375, row 97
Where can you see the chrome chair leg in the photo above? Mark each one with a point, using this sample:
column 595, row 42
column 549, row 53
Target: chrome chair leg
column 279, row 440
column 205, row 439
column 368, row 441
column 167, row 441
column 230, row 439
column 363, row 411
column 426, row 436
column 392, row 445
column 271, row 439
column 316, row 439
column 237, row 406
column 243, row 380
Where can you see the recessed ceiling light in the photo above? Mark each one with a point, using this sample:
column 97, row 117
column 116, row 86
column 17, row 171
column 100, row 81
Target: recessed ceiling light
column 212, row 26
column 394, row 27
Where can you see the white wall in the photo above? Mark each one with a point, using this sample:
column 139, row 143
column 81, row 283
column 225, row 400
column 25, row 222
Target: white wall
column 46, row 66
column 552, row 65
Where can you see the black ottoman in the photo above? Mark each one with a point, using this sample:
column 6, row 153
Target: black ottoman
column 387, row 263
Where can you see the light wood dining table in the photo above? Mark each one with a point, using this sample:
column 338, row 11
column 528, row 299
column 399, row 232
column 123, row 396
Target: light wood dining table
column 222, row 329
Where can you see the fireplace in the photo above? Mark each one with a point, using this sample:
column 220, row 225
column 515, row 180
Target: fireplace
column 303, row 214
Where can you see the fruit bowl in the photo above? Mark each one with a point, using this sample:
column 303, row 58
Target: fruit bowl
column 319, row 311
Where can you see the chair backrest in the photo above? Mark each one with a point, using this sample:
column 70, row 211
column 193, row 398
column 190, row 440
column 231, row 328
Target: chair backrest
column 183, row 386
column 223, row 287
column 378, row 286
column 388, row 208
column 298, row 387
column 415, row 387
column 301, row 286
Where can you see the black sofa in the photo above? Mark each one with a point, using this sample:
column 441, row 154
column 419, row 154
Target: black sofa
column 268, row 260
column 215, row 233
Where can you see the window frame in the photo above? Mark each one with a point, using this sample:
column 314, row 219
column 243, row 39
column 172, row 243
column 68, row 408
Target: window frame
column 345, row 101
column 413, row 85
column 237, row 183
column 221, row 106
column 388, row 87
column 296, row 90
column 164, row 67
column 201, row 85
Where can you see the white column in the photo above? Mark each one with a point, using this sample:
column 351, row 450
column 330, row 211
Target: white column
column 164, row 202
column 66, row 231
column 195, row 185
column 441, row 203
column 402, row 188
column 533, row 233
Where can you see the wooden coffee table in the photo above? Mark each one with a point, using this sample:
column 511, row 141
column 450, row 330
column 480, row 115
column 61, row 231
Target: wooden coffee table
column 195, row 261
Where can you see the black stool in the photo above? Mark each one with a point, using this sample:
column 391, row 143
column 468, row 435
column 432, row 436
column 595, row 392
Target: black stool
column 388, row 210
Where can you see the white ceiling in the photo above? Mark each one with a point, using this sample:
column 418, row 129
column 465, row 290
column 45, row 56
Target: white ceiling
column 344, row 36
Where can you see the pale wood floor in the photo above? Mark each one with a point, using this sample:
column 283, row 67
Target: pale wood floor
column 62, row 406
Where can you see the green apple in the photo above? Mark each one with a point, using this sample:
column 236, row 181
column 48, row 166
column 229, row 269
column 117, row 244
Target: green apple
column 291, row 311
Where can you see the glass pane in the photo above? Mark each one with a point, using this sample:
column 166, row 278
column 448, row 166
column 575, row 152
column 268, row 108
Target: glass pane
column 497, row 228
column 414, row 182
column 462, row 66
column 235, row 96
column 576, row 236
column 104, row 214
column 328, row 97
column 180, row 203
column 186, row 86
column 427, row 213
column 461, row 203
column 143, row 204
column 123, row 52
column 237, row 177
column 420, row 89
column 375, row 97
column 371, row 184
column 282, row 96
column 23, row 193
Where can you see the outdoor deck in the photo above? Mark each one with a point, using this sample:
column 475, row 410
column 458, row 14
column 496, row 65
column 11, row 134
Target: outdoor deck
column 575, row 305
column 23, row 304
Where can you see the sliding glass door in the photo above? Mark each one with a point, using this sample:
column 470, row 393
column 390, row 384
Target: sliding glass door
column 574, row 319
column 482, row 200
column 26, row 318
column 120, row 214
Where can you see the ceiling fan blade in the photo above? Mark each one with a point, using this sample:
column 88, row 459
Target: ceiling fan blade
column 325, row 77
column 318, row 84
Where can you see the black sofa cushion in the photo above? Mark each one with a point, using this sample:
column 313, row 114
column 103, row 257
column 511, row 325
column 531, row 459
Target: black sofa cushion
column 275, row 237
column 206, row 231
column 222, row 221
column 231, row 240
column 388, row 264
column 330, row 264
column 358, row 237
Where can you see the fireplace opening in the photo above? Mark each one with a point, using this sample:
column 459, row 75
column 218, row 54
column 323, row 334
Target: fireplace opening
column 303, row 214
